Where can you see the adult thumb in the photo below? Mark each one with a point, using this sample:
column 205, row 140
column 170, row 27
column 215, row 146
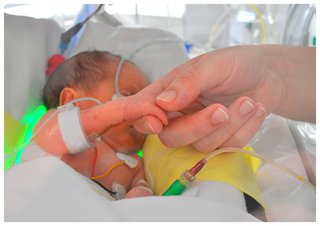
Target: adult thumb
column 181, row 92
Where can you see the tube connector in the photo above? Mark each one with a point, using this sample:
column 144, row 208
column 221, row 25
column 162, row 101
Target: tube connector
column 197, row 167
column 178, row 186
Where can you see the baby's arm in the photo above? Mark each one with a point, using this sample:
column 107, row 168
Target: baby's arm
column 139, row 186
column 99, row 119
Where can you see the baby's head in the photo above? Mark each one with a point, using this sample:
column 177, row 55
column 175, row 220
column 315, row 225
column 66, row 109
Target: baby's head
column 92, row 74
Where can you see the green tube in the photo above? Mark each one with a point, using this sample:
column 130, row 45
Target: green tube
column 176, row 188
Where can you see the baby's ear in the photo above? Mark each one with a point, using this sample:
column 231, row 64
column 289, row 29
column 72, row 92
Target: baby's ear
column 68, row 94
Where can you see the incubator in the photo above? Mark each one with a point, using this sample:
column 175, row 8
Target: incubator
column 300, row 31
column 156, row 52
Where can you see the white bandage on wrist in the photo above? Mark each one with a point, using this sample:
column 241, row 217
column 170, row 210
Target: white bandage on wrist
column 71, row 129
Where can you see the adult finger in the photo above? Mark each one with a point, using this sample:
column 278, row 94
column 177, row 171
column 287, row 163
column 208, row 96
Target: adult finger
column 181, row 86
column 157, row 87
column 182, row 91
column 240, row 112
column 247, row 131
column 189, row 128
column 187, row 82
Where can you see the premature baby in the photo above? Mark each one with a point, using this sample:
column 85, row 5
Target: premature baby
column 112, row 161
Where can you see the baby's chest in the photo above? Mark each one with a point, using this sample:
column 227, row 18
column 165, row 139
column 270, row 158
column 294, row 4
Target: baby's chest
column 112, row 168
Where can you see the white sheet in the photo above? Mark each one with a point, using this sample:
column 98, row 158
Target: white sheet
column 288, row 199
column 48, row 190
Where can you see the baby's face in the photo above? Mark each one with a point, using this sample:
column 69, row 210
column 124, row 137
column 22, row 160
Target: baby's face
column 122, row 138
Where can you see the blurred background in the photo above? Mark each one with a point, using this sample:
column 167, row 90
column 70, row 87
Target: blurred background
column 203, row 27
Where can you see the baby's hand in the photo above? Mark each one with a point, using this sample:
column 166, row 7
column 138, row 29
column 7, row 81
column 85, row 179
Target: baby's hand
column 99, row 119
column 145, row 114
column 138, row 109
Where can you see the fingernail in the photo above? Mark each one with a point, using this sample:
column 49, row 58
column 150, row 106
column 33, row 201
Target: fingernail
column 219, row 116
column 168, row 96
column 148, row 126
column 261, row 111
column 246, row 107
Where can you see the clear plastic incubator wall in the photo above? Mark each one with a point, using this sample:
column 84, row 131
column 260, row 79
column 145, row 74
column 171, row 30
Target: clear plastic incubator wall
column 46, row 189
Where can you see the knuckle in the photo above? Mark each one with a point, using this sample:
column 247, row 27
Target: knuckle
column 185, row 80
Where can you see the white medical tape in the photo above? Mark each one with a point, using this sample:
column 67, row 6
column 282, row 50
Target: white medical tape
column 119, row 190
column 128, row 160
column 71, row 129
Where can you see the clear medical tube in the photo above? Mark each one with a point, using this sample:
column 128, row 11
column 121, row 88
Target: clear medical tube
column 132, row 54
column 275, row 164
column 179, row 185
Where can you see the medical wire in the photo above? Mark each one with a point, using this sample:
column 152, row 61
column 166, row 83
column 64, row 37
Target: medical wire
column 218, row 25
column 94, row 160
column 108, row 170
column 92, row 14
column 262, row 23
column 85, row 99
column 66, row 36
column 132, row 54
column 104, row 188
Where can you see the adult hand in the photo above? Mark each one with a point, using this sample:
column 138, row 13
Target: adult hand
column 224, row 96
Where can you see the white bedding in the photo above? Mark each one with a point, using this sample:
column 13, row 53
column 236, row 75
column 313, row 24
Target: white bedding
column 48, row 190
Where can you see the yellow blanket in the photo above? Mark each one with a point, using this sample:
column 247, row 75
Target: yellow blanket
column 13, row 134
column 164, row 165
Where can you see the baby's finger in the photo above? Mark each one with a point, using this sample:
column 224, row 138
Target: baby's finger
column 137, row 106
column 101, row 118
column 247, row 131
column 240, row 112
column 190, row 128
